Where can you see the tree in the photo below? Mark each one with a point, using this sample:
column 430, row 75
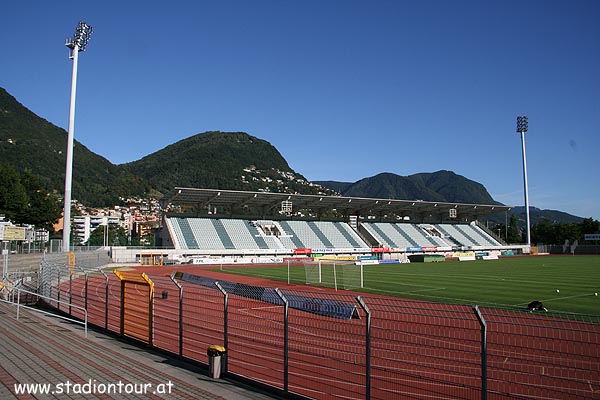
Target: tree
column 43, row 209
column 568, row 231
column 557, row 233
column 116, row 236
column 13, row 196
column 500, row 230
column 590, row 225
column 514, row 232
column 544, row 232
column 23, row 200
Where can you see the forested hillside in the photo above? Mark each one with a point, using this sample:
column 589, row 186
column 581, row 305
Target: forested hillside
column 34, row 150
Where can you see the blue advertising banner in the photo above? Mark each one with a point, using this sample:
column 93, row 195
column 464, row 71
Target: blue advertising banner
column 414, row 249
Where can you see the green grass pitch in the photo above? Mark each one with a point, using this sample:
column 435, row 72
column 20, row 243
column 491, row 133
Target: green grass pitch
column 562, row 283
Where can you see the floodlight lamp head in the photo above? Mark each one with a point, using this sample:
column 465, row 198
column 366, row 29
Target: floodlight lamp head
column 81, row 37
column 522, row 124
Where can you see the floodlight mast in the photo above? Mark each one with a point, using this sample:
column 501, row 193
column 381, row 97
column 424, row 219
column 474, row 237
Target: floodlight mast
column 77, row 43
column 522, row 127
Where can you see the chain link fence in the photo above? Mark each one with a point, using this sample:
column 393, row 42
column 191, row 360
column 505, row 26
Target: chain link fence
column 339, row 345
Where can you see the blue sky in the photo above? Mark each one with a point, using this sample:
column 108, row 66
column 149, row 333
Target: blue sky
column 343, row 89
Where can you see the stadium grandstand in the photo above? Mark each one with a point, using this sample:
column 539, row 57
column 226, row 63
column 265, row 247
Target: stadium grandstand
column 201, row 225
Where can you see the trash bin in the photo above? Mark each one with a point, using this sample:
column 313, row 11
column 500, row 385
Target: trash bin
column 215, row 358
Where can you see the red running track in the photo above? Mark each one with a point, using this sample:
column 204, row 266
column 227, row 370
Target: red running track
column 419, row 350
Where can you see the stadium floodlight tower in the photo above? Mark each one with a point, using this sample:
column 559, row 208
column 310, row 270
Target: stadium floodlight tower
column 77, row 43
column 522, row 127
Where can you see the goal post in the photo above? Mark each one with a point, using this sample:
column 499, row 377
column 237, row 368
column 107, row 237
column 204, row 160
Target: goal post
column 351, row 275
column 336, row 273
column 312, row 272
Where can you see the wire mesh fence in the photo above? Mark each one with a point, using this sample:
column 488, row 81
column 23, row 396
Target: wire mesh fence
column 337, row 345
column 426, row 348
column 551, row 355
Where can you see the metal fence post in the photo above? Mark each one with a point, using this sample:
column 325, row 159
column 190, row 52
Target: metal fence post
column 105, row 300
column 70, row 291
column 367, row 347
column 18, row 301
column 48, row 280
column 58, row 288
column 180, row 313
column 483, row 352
column 285, row 339
column 43, row 277
column 225, row 322
column 86, row 290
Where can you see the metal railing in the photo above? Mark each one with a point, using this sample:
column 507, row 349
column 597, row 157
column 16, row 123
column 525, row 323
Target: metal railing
column 391, row 348
column 18, row 306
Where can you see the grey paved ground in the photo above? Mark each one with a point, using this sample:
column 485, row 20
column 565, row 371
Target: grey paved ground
column 21, row 262
column 46, row 350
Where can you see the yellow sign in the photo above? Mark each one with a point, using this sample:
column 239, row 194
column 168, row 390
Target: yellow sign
column 338, row 258
column 14, row 232
column 71, row 261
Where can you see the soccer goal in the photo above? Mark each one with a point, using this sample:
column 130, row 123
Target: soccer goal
column 343, row 274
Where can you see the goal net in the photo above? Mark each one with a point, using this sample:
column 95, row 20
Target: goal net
column 342, row 274
column 351, row 275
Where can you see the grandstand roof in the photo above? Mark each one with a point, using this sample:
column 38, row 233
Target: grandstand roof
column 271, row 203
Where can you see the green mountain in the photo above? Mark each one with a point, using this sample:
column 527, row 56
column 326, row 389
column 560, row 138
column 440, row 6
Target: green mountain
column 536, row 215
column 445, row 186
column 223, row 160
column 217, row 160
column 30, row 143
column 220, row 160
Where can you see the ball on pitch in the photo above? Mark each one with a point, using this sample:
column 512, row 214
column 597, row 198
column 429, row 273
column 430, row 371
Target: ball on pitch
column 557, row 291
column 595, row 294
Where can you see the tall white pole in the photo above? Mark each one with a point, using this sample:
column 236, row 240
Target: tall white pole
column 526, row 189
column 69, row 168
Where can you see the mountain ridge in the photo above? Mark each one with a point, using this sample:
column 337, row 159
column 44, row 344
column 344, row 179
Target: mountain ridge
column 442, row 185
column 214, row 159
column 228, row 158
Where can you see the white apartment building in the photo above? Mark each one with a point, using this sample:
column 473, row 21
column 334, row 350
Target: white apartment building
column 83, row 225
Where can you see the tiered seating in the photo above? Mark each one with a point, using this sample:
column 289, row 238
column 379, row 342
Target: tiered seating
column 489, row 240
column 388, row 236
column 400, row 235
column 210, row 233
column 184, row 235
column 454, row 235
column 273, row 242
column 480, row 235
column 243, row 235
column 421, row 236
column 288, row 238
column 273, row 235
column 313, row 225
column 378, row 234
column 432, row 234
column 302, row 231
column 337, row 234
column 412, row 234
column 238, row 234
column 175, row 233
column 291, row 242
column 223, row 235
column 467, row 235
column 205, row 234
column 352, row 238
